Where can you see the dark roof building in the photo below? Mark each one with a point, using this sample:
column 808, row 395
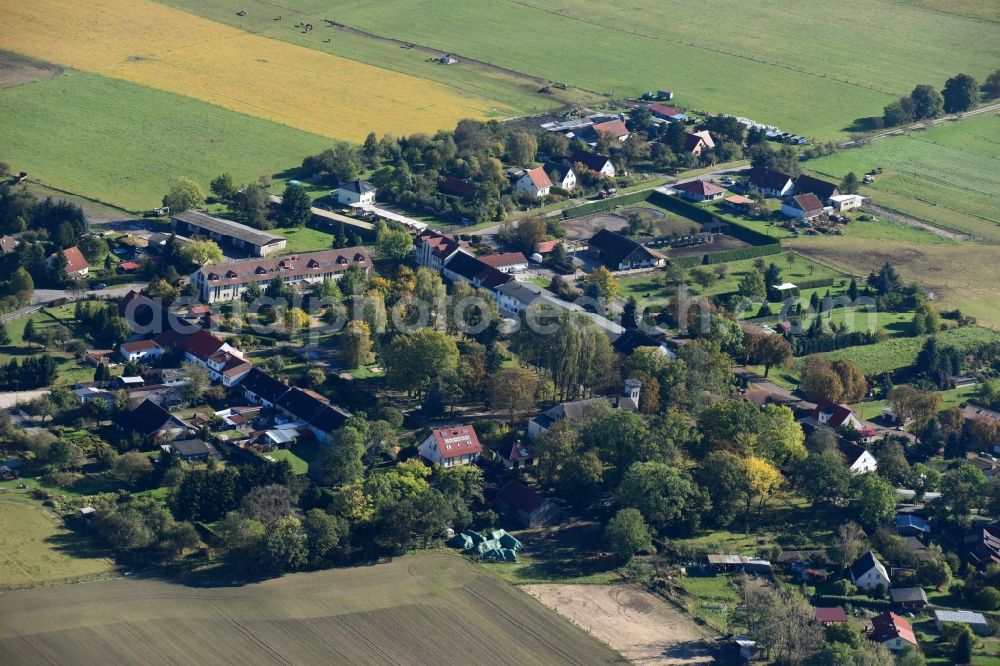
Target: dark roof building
column 300, row 404
column 834, row 615
column 193, row 449
column 621, row 253
column 466, row 267
column 261, row 243
column 771, row 182
column 821, row 188
column 592, row 161
column 633, row 339
column 908, row 596
column 526, row 505
column 148, row 419
column 357, row 187
column 457, row 187
column 258, row 386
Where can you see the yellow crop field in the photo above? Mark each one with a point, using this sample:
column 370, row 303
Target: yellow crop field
column 164, row 48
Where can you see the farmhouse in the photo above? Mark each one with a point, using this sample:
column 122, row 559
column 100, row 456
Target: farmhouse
column 698, row 142
column 455, row 445
column 908, row 597
column 975, row 621
column 892, row 631
column 823, row 190
column 355, row 192
column 770, row 183
column 534, row 182
column 620, row 253
column 76, row 264
column 592, row 161
column 506, row 262
column 433, row 250
column 738, row 563
column 845, row 202
column 868, row 573
column 258, row 243
column 526, row 506
column 150, row 420
column 803, row 207
column 699, row 190
column 227, row 282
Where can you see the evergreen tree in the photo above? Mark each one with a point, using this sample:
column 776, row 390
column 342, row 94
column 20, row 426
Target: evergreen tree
column 852, row 290
column 630, row 312
column 4, row 335
column 30, row 334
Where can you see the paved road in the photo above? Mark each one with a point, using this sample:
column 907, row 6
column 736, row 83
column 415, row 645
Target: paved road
column 46, row 295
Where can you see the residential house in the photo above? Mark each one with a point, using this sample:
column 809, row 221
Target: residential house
column 664, row 112
column 894, row 632
column 738, row 204
column 506, row 262
column 803, row 207
column 975, row 621
column 770, row 183
column 515, row 296
column 546, row 248
column 534, row 182
column 150, row 420
column 561, row 175
column 611, row 130
column 224, row 362
column 699, row 190
column 620, row 253
column 454, row 445
column 143, row 351
column 576, row 409
column 355, row 192
column 858, row 459
column 908, row 597
column 972, row 413
column 835, row 416
column 433, row 250
column 829, row 616
column 845, row 202
column 88, row 394
column 516, row 455
column 258, row 243
column 262, row 389
column 867, row 573
column 526, row 506
column 8, row 244
column 76, row 263
column 824, row 190
column 698, row 142
column 192, row 450
column 457, row 187
column 908, row 525
column 592, row 161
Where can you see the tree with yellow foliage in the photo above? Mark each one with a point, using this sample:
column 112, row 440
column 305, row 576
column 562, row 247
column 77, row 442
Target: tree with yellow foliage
column 763, row 481
column 605, row 281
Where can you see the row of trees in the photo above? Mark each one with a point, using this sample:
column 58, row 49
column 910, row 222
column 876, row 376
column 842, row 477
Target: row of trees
column 961, row 93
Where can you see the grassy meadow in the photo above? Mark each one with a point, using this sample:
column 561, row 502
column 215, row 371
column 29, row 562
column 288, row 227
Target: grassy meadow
column 386, row 613
column 902, row 352
column 948, row 176
column 167, row 49
column 717, row 56
column 124, row 143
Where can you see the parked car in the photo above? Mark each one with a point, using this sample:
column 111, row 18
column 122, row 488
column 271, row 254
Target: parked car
column 100, row 285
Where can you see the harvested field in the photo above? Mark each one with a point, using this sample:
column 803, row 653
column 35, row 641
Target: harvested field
column 429, row 608
column 167, row 49
column 640, row 625
column 16, row 69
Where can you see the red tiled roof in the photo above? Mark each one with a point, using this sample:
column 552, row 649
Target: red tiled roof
column 139, row 345
column 888, row 626
column 739, row 200
column 547, row 246
column 8, row 243
column 700, row 187
column 664, row 111
column 808, row 202
column 612, row 128
column 201, row 344
column 539, row 178
column 457, row 441
column 129, row 265
column 504, row 259
column 74, row 259
column 840, row 413
column 442, row 246
column 835, row 614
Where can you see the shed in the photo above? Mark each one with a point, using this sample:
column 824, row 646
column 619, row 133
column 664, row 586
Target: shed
column 908, row 597
column 975, row 621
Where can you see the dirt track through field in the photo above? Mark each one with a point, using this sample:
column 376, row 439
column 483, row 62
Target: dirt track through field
column 642, row 627
column 16, row 69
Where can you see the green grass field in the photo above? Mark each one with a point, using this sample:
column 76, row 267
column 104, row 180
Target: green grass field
column 304, row 239
column 950, row 398
column 425, row 608
column 948, row 176
column 35, row 547
column 902, row 352
column 124, row 143
column 717, row 56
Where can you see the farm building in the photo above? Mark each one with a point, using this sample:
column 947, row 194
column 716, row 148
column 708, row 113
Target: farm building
column 192, row 450
column 140, row 350
column 699, row 190
column 664, row 112
column 803, row 207
column 620, row 253
column 738, row 563
column 258, row 243
column 908, row 597
column 355, row 192
column 534, row 182
column 612, row 130
column 149, row 419
column 975, row 621
column 526, row 506
column 454, row 445
column 76, row 263
column 908, row 525
column 260, row 388
column 824, row 190
column 506, row 262
column 462, row 266
column 227, row 282
column 845, row 202
column 770, row 183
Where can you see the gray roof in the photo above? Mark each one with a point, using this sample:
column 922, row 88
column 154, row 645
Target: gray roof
column 227, row 228
column 962, row 616
column 357, row 186
column 902, row 594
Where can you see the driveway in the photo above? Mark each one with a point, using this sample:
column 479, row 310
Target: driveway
column 46, row 295
column 10, row 398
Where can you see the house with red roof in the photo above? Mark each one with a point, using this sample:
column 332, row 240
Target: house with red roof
column 455, row 445
column 128, row 266
column 534, row 182
column 76, row 264
column 835, row 416
column 433, row 250
column 803, row 207
column 828, row 616
column 506, row 262
column 892, row 631
column 699, row 190
column 612, row 130
column 8, row 244
column 140, row 350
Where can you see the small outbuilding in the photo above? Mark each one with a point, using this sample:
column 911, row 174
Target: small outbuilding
column 975, row 621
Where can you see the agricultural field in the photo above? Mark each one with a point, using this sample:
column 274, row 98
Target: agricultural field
column 712, row 55
column 958, row 274
column 902, row 352
column 156, row 137
column 427, row 608
column 36, row 548
column 139, row 40
column 948, row 176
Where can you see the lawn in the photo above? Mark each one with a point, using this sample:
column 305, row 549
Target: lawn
column 711, row 599
column 299, row 456
column 717, row 56
column 378, row 613
column 70, row 369
column 902, row 352
column 305, row 239
column 950, row 398
column 123, row 143
column 35, row 547
column 948, row 176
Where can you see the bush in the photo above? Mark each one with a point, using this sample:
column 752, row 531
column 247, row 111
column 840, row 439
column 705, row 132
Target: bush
column 844, row 588
column 814, row 284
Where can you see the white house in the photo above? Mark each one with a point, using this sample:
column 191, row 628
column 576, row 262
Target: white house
column 803, row 207
column 858, row 459
column 836, row 416
column 562, row 176
column 867, row 572
column 140, row 350
column 534, row 182
column 845, row 202
column 891, row 631
column 456, row 445
column 433, row 250
column 355, row 192
column 592, row 161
